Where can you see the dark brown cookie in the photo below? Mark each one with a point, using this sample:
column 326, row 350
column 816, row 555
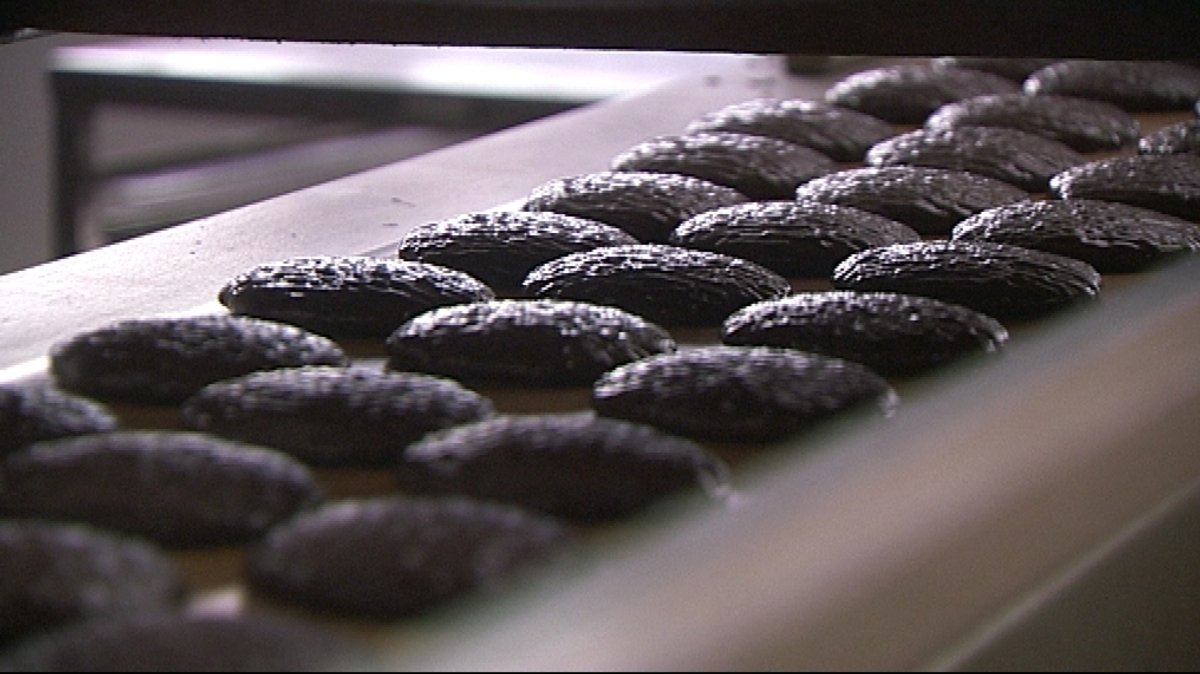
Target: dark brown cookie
column 737, row 393
column 55, row 575
column 757, row 166
column 1178, row 138
column 524, row 342
column 668, row 285
column 171, row 642
column 1109, row 236
column 894, row 335
column 995, row 279
column 333, row 416
column 1016, row 157
column 163, row 361
column 646, row 205
column 393, row 557
column 574, row 466
column 179, row 489
column 929, row 200
column 839, row 133
column 348, row 296
column 1081, row 124
column 30, row 414
column 906, row 94
column 501, row 247
column 1167, row 183
column 792, row 238
column 1132, row 85
column 1016, row 69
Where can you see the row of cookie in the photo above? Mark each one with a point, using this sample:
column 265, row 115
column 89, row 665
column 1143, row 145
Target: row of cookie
column 908, row 94
column 655, row 378
column 384, row 557
column 185, row 489
column 1029, row 135
column 100, row 601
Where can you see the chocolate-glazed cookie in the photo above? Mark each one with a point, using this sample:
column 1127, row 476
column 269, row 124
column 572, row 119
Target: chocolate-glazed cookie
column 893, row 334
column 574, row 466
column 30, row 414
column 792, row 238
column 1178, row 138
column 333, row 416
column 646, row 205
column 1166, row 183
column 393, row 557
column 737, row 393
column 757, row 166
column 1081, row 124
column 55, row 575
column 839, row 133
column 995, row 279
column 906, row 94
column 929, row 200
column 348, row 296
column 165, row 360
column 524, row 342
column 1111, row 237
column 175, row 642
column 1016, row 69
column 501, row 247
column 179, row 489
column 668, row 285
column 1132, row 85
column 1011, row 155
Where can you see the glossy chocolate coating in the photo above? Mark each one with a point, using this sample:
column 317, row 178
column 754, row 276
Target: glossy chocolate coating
column 893, row 334
column 524, row 342
column 574, row 466
column 30, row 414
column 1081, row 124
column 929, row 200
column 179, row 489
column 906, row 94
column 178, row 642
column 1111, row 237
column 839, row 133
column 668, row 285
column 757, row 166
column 333, row 416
column 501, row 247
column 1178, row 138
column 736, row 393
column 1165, row 183
column 1016, row 69
column 163, row 361
column 1132, row 85
column 393, row 557
column 55, row 575
column 792, row 238
column 995, row 279
column 348, row 296
column 646, row 205
column 1016, row 157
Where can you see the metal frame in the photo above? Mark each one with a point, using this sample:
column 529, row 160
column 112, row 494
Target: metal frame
column 1084, row 28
